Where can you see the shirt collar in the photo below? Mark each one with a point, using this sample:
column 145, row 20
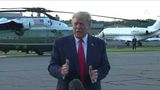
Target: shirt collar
column 84, row 39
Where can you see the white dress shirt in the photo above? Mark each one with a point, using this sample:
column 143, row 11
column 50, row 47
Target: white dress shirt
column 85, row 38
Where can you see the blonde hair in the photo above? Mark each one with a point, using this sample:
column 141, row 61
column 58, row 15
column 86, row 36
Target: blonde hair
column 83, row 16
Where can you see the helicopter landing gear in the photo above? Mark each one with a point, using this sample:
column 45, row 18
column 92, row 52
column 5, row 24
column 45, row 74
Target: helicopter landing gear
column 19, row 33
column 5, row 51
column 127, row 43
column 139, row 43
column 39, row 52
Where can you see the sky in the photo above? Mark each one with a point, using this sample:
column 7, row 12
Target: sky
column 132, row 9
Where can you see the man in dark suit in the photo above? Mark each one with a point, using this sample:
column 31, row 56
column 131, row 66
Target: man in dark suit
column 134, row 42
column 79, row 56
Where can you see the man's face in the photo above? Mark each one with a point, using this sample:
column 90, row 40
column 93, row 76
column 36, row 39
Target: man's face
column 80, row 27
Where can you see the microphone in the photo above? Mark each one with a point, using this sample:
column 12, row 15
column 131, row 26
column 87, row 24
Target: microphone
column 76, row 84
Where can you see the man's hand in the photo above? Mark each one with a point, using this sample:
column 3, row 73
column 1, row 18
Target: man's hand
column 65, row 68
column 93, row 74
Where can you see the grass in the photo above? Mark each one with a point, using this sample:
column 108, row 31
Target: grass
column 129, row 49
column 14, row 52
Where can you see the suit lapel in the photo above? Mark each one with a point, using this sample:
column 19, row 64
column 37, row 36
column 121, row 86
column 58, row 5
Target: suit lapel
column 90, row 51
column 74, row 54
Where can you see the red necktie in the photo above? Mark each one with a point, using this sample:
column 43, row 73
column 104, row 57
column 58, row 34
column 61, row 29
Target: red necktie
column 81, row 59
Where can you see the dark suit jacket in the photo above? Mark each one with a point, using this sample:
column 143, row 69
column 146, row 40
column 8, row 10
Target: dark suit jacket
column 65, row 48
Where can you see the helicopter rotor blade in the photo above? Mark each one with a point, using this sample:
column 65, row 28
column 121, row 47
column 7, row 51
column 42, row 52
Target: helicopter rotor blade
column 120, row 18
column 13, row 10
column 44, row 11
column 91, row 15
column 49, row 16
column 37, row 9
column 62, row 12
column 100, row 16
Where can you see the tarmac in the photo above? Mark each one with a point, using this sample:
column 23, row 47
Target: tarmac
column 129, row 71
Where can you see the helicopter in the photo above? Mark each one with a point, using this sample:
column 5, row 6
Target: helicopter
column 31, row 33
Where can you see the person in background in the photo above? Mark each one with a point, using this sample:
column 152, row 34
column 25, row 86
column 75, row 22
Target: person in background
column 57, row 17
column 79, row 56
column 134, row 42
